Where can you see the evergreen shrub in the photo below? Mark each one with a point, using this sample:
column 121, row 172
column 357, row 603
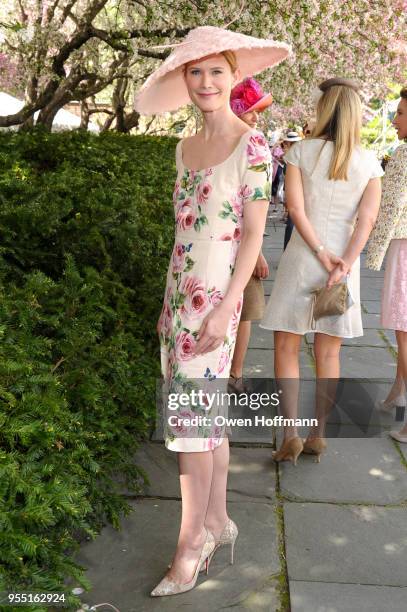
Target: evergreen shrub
column 86, row 229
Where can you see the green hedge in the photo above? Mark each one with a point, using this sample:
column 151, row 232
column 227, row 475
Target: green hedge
column 86, row 227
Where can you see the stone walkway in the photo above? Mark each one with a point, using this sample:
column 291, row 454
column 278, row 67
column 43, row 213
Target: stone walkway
column 328, row 537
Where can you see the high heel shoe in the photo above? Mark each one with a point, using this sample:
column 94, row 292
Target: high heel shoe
column 228, row 536
column 396, row 435
column 170, row 587
column 289, row 450
column 315, row 446
column 398, row 402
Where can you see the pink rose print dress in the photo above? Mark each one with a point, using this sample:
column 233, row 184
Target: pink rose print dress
column 209, row 218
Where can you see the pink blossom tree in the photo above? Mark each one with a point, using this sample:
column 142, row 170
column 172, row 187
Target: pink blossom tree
column 56, row 51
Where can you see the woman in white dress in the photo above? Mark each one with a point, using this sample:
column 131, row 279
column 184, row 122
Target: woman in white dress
column 331, row 183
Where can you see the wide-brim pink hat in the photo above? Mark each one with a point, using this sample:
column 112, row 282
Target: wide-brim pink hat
column 165, row 88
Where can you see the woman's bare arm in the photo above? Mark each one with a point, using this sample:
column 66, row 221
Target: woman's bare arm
column 367, row 214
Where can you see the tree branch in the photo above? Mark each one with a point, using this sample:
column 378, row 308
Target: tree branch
column 173, row 32
column 153, row 54
column 108, row 39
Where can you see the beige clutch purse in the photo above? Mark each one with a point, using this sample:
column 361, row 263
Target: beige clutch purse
column 333, row 301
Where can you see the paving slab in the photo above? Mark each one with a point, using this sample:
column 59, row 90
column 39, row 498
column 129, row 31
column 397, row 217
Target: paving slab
column 261, row 338
column 334, row 597
column 351, row 471
column 371, row 321
column 402, row 447
column 124, row 566
column 372, row 306
column 363, row 362
column 370, row 289
column 259, row 363
column 346, row 544
column 251, row 473
column 366, row 273
column 391, row 336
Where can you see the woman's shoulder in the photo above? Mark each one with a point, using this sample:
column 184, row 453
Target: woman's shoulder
column 400, row 154
column 256, row 150
column 255, row 136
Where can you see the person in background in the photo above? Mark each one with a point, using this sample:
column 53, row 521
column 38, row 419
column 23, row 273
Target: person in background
column 277, row 154
column 390, row 236
column 308, row 127
column 333, row 193
column 287, row 143
column 247, row 100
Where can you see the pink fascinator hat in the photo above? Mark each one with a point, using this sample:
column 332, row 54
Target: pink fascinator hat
column 165, row 89
column 248, row 96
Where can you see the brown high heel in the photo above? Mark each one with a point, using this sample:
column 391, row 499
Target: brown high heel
column 315, row 446
column 289, row 450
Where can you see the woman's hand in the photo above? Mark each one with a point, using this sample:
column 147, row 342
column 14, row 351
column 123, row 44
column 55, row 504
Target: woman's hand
column 329, row 260
column 261, row 270
column 337, row 274
column 213, row 330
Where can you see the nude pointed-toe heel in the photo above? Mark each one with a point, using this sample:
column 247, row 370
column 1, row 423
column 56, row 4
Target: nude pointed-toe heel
column 289, row 450
column 169, row 587
column 315, row 446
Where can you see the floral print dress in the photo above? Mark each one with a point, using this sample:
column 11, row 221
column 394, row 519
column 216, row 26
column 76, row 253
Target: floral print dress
column 209, row 217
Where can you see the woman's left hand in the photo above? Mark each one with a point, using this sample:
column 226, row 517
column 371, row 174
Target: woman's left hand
column 213, row 330
column 337, row 274
column 261, row 270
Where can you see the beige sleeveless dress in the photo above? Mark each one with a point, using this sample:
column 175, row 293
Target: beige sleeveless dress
column 332, row 207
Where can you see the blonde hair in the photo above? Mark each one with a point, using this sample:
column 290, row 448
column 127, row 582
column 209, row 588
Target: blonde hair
column 339, row 118
column 230, row 57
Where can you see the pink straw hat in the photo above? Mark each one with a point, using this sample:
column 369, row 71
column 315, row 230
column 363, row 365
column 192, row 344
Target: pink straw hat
column 165, row 88
column 249, row 96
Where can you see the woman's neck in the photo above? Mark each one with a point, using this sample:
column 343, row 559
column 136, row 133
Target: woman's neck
column 221, row 123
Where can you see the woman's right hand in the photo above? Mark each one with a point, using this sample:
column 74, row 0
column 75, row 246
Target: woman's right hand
column 329, row 260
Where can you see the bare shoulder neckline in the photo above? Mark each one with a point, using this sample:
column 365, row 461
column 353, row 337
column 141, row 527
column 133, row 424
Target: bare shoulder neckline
column 237, row 147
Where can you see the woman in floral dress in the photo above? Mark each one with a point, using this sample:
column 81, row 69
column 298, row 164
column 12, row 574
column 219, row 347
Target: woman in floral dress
column 221, row 202
column 390, row 237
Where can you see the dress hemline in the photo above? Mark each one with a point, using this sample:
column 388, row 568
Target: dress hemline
column 310, row 331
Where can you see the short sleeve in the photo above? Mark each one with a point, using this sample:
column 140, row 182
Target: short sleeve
column 293, row 156
column 256, row 180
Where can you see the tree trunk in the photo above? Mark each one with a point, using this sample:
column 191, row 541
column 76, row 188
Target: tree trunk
column 84, row 115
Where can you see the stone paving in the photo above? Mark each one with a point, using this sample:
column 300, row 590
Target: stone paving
column 318, row 537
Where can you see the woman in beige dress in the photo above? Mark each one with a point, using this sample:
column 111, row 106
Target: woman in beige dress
column 333, row 195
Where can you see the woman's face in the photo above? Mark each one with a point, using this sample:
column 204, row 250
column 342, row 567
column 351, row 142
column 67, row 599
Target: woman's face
column 209, row 82
column 400, row 119
column 250, row 118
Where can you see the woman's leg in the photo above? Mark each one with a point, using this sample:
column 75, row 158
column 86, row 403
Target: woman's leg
column 326, row 351
column 287, row 374
column 399, row 385
column 242, row 342
column 195, row 471
column 216, row 515
column 401, row 337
